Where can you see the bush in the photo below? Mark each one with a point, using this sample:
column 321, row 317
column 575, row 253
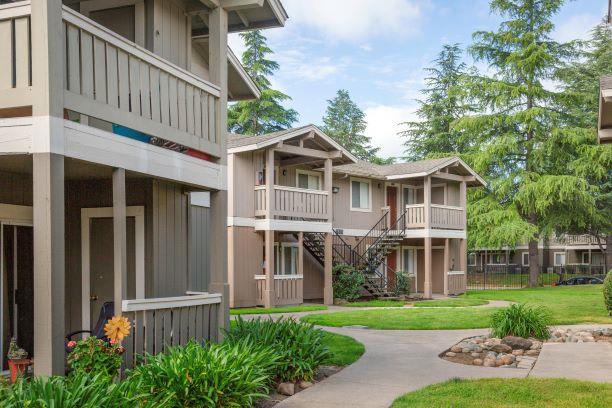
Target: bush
column 299, row 347
column 607, row 290
column 402, row 283
column 94, row 355
column 522, row 321
column 347, row 282
column 220, row 375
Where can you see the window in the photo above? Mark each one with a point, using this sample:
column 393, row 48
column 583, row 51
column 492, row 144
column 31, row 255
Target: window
column 497, row 259
column 409, row 261
column 472, row 259
column 286, row 258
column 559, row 258
column 525, row 258
column 309, row 180
column 410, row 196
column 361, row 195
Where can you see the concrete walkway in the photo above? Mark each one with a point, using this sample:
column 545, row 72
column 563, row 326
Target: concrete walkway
column 578, row 361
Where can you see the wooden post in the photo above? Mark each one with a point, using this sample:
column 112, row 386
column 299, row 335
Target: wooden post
column 269, row 250
column 218, row 261
column 427, row 203
column 446, row 268
column 270, row 206
column 217, row 62
column 328, row 188
column 463, row 201
column 463, row 254
column 119, row 239
column 328, row 290
column 300, row 266
column 427, row 289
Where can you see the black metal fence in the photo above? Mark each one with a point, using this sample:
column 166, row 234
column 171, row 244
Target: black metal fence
column 517, row 276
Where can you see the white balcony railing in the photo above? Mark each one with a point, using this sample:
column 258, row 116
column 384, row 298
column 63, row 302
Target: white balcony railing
column 292, row 202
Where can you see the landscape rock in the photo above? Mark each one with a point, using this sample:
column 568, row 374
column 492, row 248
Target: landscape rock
column 533, row 352
column 476, row 355
column 518, row 352
column 489, row 362
column 517, row 342
column 477, row 362
column 326, row 371
column 536, row 345
column 501, row 348
column 305, row 384
column 451, row 354
column 456, row 349
column 286, row 388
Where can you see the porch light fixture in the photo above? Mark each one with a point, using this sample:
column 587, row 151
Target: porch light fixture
column 335, row 190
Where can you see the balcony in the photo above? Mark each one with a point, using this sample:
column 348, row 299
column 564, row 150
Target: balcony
column 292, row 202
column 441, row 217
column 288, row 289
column 112, row 79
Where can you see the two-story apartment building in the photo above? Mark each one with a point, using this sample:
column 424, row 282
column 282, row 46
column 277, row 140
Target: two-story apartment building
column 604, row 131
column 299, row 204
column 113, row 167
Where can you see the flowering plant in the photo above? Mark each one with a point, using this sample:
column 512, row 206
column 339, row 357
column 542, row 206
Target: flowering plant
column 117, row 328
column 94, row 355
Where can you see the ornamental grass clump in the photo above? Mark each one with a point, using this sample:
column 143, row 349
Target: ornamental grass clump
column 217, row 375
column 298, row 346
column 607, row 291
column 521, row 320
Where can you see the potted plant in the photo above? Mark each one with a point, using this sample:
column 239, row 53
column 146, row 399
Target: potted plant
column 18, row 360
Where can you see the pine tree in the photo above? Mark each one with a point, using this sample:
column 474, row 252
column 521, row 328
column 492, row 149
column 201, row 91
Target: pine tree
column 345, row 123
column 266, row 114
column 520, row 142
column 433, row 135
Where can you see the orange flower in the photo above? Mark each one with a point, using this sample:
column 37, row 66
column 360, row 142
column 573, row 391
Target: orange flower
column 117, row 328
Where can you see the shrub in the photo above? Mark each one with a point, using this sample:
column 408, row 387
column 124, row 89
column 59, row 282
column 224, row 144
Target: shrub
column 299, row 346
column 219, row 375
column 522, row 321
column 607, row 290
column 347, row 282
column 402, row 283
column 94, row 355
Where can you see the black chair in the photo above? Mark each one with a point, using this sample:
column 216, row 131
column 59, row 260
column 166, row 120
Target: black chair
column 106, row 313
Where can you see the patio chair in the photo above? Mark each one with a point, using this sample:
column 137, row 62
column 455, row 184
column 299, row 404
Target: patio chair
column 106, row 312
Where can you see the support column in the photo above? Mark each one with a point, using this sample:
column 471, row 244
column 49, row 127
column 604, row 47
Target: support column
column 270, row 183
column 446, row 268
column 300, row 265
column 218, row 260
column 269, row 252
column 119, row 239
column 328, row 290
column 49, row 263
column 328, row 188
column 427, row 289
column 463, row 255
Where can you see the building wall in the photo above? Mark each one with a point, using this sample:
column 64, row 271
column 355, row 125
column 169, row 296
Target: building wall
column 345, row 218
column 15, row 189
column 199, row 248
column 245, row 250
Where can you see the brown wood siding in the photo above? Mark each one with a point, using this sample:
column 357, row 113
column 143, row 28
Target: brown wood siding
column 171, row 37
column 199, row 248
column 245, row 253
column 15, row 189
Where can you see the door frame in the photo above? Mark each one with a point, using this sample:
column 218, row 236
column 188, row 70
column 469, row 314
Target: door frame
column 87, row 214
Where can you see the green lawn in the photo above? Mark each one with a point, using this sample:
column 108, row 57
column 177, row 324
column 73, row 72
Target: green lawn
column 284, row 309
column 345, row 350
column 568, row 304
column 377, row 303
column 459, row 302
column 496, row 392
column 406, row 319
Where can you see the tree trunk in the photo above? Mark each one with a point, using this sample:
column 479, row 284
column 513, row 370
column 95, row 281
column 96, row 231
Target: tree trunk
column 534, row 263
column 608, row 254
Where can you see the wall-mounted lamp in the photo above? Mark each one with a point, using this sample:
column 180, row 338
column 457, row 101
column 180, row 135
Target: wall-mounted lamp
column 335, row 190
column 379, row 185
column 284, row 172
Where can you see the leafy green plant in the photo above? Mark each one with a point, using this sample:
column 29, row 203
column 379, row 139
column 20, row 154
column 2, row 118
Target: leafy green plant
column 347, row 282
column 607, row 291
column 402, row 283
column 93, row 355
column 299, row 347
column 521, row 320
column 228, row 374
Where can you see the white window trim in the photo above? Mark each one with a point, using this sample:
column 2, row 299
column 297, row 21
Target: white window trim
column 555, row 258
column 281, row 257
column 523, row 258
column 491, row 255
column 472, row 255
column 308, row 173
column 588, row 261
column 408, row 187
column 361, row 180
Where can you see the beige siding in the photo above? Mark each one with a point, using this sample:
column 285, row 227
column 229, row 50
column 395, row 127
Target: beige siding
column 344, row 217
column 242, row 197
column 245, row 251
column 15, row 189
column 313, row 278
column 171, row 32
column 199, row 248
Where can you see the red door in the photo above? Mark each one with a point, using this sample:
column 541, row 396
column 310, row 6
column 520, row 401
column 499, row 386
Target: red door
column 392, row 202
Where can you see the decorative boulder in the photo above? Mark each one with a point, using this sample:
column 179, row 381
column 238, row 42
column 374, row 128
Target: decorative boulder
column 286, row 388
column 518, row 352
column 451, row 354
column 456, row 349
column 533, row 352
column 305, row 384
column 517, row 342
column 488, row 362
column 477, row 362
column 501, row 348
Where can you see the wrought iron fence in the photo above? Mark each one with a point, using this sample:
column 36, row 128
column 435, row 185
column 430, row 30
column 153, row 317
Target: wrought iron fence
column 517, row 276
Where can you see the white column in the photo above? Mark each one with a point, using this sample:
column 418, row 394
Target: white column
column 269, row 296
column 328, row 188
column 119, row 239
column 328, row 290
column 446, row 268
column 427, row 285
column 270, row 183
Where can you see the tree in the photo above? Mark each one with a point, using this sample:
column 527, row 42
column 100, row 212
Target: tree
column 345, row 123
column 433, row 135
column 266, row 114
column 580, row 98
column 519, row 139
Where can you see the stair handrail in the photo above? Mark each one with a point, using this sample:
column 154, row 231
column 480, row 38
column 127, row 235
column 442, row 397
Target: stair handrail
column 372, row 235
column 398, row 225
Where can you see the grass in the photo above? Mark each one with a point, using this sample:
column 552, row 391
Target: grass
column 496, row 392
column 406, row 319
column 284, row 309
column 568, row 304
column 459, row 302
column 377, row 303
column 345, row 350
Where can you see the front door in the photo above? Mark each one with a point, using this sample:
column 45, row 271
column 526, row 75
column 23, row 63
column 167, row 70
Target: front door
column 392, row 202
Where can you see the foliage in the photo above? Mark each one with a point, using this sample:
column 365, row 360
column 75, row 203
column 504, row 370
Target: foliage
column 280, row 309
column 298, row 347
column 433, row 134
column 402, row 283
column 344, row 350
column 521, row 320
column 509, row 392
column 15, row 352
column 117, row 328
column 93, row 355
column 345, row 123
column 347, row 282
column 229, row 374
column 607, row 291
column 266, row 114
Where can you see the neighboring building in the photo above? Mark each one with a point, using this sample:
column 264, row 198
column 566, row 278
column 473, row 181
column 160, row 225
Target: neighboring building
column 408, row 216
column 605, row 110
column 113, row 167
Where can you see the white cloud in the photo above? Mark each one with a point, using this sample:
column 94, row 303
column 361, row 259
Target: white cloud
column 576, row 27
column 384, row 124
column 298, row 65
column 357, row 20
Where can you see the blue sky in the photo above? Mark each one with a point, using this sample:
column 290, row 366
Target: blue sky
column 377, row 49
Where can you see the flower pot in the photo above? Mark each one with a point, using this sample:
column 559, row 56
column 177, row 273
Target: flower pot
column 18, row 368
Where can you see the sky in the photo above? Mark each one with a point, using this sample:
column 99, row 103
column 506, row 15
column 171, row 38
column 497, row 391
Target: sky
column 377, row 50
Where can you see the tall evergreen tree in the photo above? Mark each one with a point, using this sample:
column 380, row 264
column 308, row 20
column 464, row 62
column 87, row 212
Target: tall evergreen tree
column 433, row 134
column 520, row 143
column 345, row 123
column 266, row 114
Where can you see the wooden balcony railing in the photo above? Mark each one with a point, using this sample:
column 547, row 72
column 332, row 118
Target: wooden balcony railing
column 457, row 282
column 415, row 216
column 16, row 71
column 441, row 216
column 288, row 289
column 292, row 202
column 164, row 322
